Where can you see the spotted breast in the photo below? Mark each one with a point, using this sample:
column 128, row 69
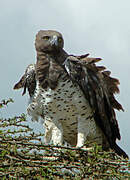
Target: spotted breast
column 67, row 115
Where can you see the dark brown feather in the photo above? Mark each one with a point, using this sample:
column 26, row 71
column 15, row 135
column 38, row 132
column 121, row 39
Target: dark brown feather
column 42, row 67
column 49, row 69
column 99, row 89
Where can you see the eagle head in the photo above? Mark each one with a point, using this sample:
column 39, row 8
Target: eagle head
column 49, row 41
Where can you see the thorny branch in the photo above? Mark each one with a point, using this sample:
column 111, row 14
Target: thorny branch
column 23, row 155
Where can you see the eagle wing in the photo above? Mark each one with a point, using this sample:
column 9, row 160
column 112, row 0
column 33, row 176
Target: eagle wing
column 28, row 80
column 99, row 89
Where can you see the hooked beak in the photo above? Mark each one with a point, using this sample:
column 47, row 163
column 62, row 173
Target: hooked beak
column 54, row 41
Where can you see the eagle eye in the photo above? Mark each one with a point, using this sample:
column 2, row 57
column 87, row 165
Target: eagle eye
column 46, row 38
column 59, row 39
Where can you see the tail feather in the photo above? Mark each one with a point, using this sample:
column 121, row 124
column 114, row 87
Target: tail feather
column 119, row 151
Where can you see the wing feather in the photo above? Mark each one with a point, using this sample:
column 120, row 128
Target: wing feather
column 28, row 80
column 99, row 89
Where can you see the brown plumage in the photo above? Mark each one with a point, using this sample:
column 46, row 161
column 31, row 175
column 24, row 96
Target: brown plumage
column 99, row 88
column 49, row 58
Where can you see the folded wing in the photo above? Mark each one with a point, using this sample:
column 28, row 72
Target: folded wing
column 99, row 89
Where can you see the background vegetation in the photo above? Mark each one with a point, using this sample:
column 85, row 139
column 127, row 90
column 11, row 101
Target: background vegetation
column 24, row 156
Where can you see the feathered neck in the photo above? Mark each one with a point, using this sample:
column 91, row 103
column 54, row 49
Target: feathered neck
column 49, row 67
column 57, row 56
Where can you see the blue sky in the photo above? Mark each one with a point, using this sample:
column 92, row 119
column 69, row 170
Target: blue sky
column 101, row 28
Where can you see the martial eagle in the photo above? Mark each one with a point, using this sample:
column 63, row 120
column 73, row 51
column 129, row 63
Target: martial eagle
column 73, row 95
